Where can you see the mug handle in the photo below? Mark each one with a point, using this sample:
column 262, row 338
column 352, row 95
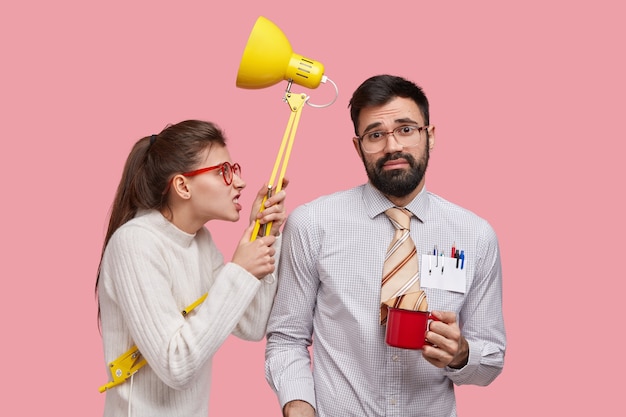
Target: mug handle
column 431, row 317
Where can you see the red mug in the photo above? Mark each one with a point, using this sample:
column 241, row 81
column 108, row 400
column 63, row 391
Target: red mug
column 407, row 328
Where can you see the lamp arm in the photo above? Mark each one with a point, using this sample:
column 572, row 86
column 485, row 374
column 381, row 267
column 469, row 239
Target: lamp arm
column 296, row 104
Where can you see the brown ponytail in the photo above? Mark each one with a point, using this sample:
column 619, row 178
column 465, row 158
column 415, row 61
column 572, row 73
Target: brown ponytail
column 152, row 162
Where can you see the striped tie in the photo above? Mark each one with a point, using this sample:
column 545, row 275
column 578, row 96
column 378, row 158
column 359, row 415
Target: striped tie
column 400, row 284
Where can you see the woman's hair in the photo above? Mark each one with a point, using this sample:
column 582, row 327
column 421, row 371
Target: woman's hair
column 151, row 164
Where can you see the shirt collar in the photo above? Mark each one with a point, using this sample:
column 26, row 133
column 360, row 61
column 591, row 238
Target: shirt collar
column 376, row 203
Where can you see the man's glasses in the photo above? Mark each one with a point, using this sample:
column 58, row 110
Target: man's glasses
column 227, row 170
column 407, row 136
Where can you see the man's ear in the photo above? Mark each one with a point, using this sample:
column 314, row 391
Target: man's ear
column 357, row 146
column 431, row 137
column 180, row 187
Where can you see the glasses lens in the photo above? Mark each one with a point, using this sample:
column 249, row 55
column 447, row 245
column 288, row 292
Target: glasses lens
column 408, row 134
column 374, row 141
column 236, row 170
column 227, row 172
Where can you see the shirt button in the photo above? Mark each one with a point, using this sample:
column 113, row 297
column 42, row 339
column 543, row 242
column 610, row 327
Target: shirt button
column 395, row 358
column 393, row 401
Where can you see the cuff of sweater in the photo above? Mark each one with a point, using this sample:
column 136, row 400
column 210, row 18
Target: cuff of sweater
column 233, row 269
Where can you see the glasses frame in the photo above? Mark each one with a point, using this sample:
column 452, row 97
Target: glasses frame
column 234, row 169
column 393, row 132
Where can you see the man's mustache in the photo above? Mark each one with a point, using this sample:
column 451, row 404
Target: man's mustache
column 408, row 157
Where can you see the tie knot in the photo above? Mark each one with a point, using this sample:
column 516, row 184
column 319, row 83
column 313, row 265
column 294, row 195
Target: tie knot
column 400, row 217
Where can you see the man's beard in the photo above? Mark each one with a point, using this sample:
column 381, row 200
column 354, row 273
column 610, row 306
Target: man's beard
column 397, row 182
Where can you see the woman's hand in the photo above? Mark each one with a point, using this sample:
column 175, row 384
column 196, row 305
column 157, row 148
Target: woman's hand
column 255, row 256
column 273, row 209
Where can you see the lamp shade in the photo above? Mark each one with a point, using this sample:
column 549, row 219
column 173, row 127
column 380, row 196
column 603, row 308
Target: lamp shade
column 269, row 59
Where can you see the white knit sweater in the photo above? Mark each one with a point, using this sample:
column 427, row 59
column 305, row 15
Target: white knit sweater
column 150, row 272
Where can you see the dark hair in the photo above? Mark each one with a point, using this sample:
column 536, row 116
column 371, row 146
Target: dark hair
column 379, row 90
column 152, row 162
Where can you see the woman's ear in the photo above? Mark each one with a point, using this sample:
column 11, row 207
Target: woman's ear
column 180, row 187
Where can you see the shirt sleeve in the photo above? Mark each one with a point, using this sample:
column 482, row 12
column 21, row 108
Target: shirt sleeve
column 288, row 361
column 481, row 319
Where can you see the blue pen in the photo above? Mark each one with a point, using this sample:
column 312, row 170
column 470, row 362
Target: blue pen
column 462, row 256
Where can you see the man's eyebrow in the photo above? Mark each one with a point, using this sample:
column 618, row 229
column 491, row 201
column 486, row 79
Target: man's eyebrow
column 402, row 120
column 371, row 126
column 405, row 120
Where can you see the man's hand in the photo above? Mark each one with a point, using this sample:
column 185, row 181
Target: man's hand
column 446, row 346
column 298, row 408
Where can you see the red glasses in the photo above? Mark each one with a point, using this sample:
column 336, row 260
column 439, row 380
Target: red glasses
column 227, row 170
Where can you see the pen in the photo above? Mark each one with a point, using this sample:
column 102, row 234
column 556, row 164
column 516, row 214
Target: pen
column 435, row 252
column 443, row 261
column 456, row 255
column 430, row 265
column 453, row 250
column 462, row 256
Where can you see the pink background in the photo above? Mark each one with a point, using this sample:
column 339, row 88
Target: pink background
column 528, row 100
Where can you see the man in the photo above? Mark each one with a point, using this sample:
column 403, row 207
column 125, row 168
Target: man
column 330, row 281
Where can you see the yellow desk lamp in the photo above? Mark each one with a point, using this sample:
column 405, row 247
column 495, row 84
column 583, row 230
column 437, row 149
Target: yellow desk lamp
column 267, row 60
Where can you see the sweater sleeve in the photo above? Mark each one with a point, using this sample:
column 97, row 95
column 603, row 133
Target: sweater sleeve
column 141, row 283
column 253, row 323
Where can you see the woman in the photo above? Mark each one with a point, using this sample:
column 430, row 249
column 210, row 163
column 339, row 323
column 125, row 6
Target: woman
column 159, row 258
